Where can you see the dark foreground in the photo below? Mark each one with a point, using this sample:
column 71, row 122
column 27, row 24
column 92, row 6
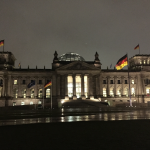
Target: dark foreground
column 77, row 135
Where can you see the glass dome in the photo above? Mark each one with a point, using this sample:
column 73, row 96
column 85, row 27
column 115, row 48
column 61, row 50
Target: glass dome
column 70, row 56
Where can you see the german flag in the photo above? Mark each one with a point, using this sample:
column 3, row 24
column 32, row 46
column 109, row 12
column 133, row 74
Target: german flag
column 136, row 47
column 48, row 84
column 1, row 42
column 122, row 62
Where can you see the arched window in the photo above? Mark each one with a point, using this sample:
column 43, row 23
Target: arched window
column 133, row 91
column 40, row 93
column 24, row 93
column 104, row 92
column 112, row 92
column 15, row 93
column 119, row 92
column 48, row 93
column 31, row 103
column 32, row 93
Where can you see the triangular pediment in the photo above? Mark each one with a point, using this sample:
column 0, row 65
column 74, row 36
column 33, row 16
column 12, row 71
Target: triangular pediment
column 78, row 65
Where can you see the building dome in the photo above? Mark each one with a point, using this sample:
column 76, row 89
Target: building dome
column 71, row 56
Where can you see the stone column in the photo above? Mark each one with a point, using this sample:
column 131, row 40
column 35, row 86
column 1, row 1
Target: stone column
column 101, row 85
column 82, row 87
column 108, row 86
column 66, row 88
column 74, row 87
column 58, row 86
column 97, row 87
column 19, row 87
column 122, row 90
column 115, row 86
column 36, row 87
column 91, row 86
column 43, row 89
column 9, row 85
column 28, row 94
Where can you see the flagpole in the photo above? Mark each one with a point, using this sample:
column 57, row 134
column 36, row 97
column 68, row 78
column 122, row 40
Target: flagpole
column 3, row 47
column 43, row 97
column 129, row 83
column 139, row 48
column 51, row 94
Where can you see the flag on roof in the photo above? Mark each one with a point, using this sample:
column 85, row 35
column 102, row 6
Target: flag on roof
column 122, row 62
column 136, row 47
column 1, row 42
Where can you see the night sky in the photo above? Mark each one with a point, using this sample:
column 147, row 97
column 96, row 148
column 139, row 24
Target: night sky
column 34, row 29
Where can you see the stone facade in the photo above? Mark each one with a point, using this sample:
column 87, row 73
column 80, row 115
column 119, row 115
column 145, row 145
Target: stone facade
column 73, row 80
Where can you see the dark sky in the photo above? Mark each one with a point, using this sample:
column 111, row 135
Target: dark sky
column 34, row 29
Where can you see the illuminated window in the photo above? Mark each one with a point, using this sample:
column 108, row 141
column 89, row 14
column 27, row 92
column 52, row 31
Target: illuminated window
column 132, row 91
column 148, row 61
column 22, row 103
column 15, row 92
column 40, row 93
column 48, row 93
column 140, row 61
column 144, row 61
column 126, row 92
column 85, row 87
column 24, row 93
column 14, row 103
column 104, row 92
column 119, row 93
column 111, row 93
column 32, row 93
column 15, row 81
column 147, row 91
column 78, row 86
column 70, row 86
column 31, row 103
column 132, row 81
column 39, row 102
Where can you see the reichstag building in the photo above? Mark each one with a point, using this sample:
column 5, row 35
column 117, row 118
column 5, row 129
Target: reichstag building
column 74, row 79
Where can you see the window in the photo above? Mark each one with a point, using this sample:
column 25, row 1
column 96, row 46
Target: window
column 148, row 61
column 126, row 82
column 32, row 93
column 119, row 93
column 31, row 103
column 120, row 100
column 104, row 92
column 118, row 81
column 23, row 81
column 40, row 81
column 111, row 81
column 126, row 92
column 22, row 103
column 140, row 61
column 15, row 92
column 85, row 87
column 24, row 93
column 147, row 91
column 132, row 91
column 104, row 81
column 132, row 81
column 32, row 81
column 113, row 100
column 15, row 81
column 48, row 93
column 40, row 93
column 111, row 93
column 39, row 102
column 14, row 103
column 70, row 86
column 144, row 61
column 1, row 82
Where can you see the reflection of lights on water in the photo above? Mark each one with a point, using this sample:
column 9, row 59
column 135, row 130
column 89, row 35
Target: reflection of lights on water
column 62, row 119
column 62, row 113
column 62, row 110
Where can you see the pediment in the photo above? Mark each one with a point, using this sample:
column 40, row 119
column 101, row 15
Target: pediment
column 78, row 66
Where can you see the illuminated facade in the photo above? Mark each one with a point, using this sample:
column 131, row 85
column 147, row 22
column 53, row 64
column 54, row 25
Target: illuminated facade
column 74, row 78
